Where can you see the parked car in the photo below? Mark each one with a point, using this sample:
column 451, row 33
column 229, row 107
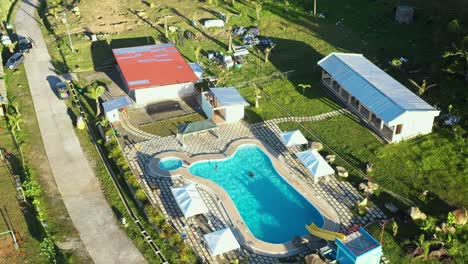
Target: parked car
column 14, row 61
column 62, row 90
column 24, row 44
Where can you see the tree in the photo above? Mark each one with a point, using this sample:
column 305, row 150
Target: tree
column 286, row 5
column 258, row 9
column 94, row 92
column 423, row 87
column 315, row 7
column 11, row 47
column 196, row 52
column 456, row 59
column 104, row 122
column 304, row 87
column 14, row 122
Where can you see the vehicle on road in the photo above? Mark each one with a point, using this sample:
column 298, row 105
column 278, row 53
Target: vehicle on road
column 62, row 90
column 24, row 44
column 14, row 61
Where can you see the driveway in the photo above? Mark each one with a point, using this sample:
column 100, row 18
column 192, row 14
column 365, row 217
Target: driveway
column 78, row 186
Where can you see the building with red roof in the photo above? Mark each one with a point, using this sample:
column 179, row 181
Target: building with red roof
column 155, row 72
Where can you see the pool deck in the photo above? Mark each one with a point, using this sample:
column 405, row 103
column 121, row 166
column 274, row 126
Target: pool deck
column 339, row 194
column 240, row 229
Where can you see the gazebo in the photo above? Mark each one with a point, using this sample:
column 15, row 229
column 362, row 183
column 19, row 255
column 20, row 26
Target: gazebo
column 293, row 138
column 315, row 164
column 196, row 127
column 189, row 201
column 221, row 241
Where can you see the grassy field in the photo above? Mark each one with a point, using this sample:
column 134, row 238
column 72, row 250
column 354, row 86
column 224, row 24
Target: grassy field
column 59, row 223
column 168, row 127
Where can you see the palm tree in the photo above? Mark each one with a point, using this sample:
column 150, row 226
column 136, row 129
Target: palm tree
column 14, row 103
column 423, row 87
column 11, row 47
column 104, row 122
column 258, row 9
column 14, row 122
column 94, row 92
column 304, row 86
column 196, row 52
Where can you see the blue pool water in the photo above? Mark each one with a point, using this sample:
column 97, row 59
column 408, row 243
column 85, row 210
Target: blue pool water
column 272, row 209
column 170, row 164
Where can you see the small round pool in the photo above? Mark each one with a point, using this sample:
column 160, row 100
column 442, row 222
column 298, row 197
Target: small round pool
column 170, row 164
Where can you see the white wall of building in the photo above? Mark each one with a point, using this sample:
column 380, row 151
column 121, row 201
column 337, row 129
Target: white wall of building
column 113, row 116
column 160, row 93
column 414, row 123
column 233, row 113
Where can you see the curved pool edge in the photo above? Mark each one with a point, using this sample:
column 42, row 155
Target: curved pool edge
column 239, row 227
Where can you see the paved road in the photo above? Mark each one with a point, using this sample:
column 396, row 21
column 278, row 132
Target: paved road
column 79, row 187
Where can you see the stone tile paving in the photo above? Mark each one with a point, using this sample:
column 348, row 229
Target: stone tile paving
column 341, row 195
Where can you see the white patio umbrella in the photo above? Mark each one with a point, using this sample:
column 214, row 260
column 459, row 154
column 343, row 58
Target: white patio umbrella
column 315, row 163
column 293, row 138
column 221, row 241
column 189, row 201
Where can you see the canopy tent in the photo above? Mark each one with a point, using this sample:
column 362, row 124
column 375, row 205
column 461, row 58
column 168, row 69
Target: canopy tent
column 228, row 96
column 293, row 138
column 195, row 127
column 221, row 241
column 315, row 163
column 189, row 201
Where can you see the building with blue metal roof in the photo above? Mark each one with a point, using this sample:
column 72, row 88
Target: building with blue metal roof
column 112, row 107
column 390, row 109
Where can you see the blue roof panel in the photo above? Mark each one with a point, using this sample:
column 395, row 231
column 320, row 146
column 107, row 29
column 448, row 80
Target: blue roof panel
column 116, row 103
column 373, row 87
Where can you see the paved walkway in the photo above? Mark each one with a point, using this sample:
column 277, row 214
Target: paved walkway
column 78, row 186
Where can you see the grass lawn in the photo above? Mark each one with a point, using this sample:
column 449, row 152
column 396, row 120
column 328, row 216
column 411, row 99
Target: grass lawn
column 168, row 127
column 59, row 223
column 23, row 223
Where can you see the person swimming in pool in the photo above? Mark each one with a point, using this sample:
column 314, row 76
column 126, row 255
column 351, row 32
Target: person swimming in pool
column 251, row 173
column 216, row 166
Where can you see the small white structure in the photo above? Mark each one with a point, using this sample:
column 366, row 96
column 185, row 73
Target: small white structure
column 224, row 104
column 114, row 106
column 221, row 241
column 315, row 164
column 293, row 138
column 213, row 23
column 189, row 201
column 155, row 73
column 390, row 109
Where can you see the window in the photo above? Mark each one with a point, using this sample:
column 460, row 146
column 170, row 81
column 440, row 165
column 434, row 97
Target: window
column 398, row 129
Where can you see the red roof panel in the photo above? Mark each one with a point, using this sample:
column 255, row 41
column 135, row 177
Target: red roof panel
column 153, row 65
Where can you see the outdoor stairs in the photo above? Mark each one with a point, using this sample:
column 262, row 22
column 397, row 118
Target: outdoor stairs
column 131, row 129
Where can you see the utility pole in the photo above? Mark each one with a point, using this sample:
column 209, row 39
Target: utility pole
column 68, row 30
column 315, row 7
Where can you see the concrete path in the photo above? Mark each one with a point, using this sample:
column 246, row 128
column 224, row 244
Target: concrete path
column 79, row 187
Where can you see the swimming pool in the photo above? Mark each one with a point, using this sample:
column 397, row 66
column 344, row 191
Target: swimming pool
column 170, row 164
column 272, row 209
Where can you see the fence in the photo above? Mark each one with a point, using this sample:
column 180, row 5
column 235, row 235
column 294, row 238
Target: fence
column 117, row 186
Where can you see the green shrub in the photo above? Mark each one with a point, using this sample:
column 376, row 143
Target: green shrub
column 141, row 195
column 175, row 239
column 133, row 182
column 48, row 248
